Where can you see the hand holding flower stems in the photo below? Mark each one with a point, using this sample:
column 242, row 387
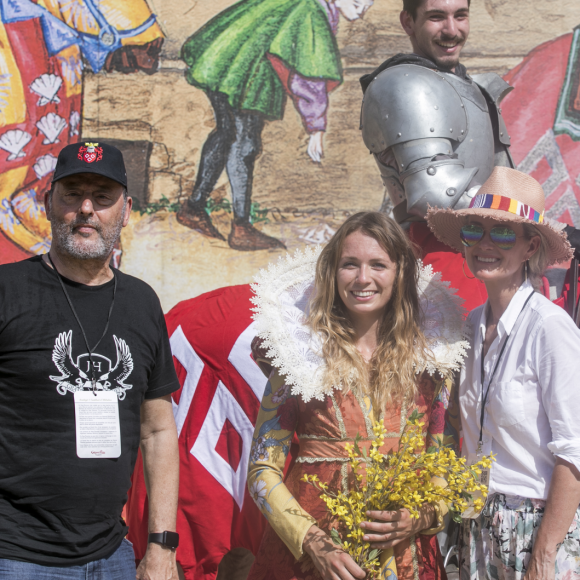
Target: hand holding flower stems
column 331, row 561
column 393, row 527
column 399, row 483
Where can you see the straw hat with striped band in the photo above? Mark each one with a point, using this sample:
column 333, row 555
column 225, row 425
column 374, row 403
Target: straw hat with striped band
column 507, row 196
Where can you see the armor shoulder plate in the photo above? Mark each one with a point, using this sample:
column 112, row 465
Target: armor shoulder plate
column 496, row 89
column 493, row 85
column 408, row 102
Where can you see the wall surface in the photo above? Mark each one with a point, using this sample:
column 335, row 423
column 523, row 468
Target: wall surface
column 141, row 100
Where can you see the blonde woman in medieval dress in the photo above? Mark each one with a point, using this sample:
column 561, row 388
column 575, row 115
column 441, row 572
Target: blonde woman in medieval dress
column 357, row 333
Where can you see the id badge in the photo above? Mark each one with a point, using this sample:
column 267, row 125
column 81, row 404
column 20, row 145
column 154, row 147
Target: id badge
column 97, row 424
column 471, row 512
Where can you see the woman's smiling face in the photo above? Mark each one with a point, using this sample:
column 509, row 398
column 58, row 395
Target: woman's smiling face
column 365, row 276
column 490, row 263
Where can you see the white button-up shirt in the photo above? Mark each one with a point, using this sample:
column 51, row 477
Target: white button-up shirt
column 533, row 406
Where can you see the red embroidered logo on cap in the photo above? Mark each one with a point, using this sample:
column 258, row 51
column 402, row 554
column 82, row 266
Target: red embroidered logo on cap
column 90, row 152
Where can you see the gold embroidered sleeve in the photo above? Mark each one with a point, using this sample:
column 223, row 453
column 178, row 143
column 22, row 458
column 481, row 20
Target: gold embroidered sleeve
column 275, row 428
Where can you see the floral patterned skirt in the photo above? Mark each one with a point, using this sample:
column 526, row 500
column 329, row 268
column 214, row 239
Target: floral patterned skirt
column 498, row 544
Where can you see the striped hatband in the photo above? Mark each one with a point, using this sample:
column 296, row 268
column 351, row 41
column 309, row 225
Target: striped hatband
column 490, row 201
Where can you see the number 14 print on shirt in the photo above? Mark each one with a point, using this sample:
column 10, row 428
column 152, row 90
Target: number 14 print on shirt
column 77, row 376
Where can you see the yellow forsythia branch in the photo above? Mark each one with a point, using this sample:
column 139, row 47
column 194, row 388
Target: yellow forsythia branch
column 401, row 479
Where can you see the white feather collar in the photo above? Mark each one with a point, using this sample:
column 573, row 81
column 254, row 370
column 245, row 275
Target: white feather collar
column 282, row 294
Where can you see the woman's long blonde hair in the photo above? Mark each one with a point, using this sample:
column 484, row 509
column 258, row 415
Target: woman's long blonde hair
column 391, row 374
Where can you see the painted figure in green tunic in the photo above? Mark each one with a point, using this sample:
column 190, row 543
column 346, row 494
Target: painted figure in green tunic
column 249, row 59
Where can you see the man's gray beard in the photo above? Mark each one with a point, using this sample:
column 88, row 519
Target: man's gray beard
column 81, row 248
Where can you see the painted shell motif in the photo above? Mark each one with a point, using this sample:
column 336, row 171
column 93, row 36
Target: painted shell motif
column 44, row 165
column 51, row 126
column 14, row 142
column 46, row 86
column 74, row 122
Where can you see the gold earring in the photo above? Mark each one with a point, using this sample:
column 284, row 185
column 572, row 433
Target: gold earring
column 468, row 277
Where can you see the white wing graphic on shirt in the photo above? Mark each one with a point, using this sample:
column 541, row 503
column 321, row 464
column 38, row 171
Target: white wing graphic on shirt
column 121, row 370
column 73, row 378
column 62, row 358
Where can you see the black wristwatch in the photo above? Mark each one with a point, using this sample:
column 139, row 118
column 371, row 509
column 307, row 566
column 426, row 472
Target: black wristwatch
column 167, row 539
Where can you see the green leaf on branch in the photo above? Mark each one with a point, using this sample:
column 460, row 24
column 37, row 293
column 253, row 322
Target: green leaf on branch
column 335, row 536
column 374, row 554
column 456, row 517
column 415, row 415
column 356, row 447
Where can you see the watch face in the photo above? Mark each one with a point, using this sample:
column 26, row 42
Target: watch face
column 171, row 539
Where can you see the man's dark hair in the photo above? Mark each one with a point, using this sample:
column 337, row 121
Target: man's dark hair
column 411, row 6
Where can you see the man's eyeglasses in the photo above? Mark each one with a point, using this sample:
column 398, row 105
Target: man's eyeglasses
column 503, row 237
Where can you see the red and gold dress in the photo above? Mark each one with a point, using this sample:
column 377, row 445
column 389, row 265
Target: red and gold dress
column 295, row 405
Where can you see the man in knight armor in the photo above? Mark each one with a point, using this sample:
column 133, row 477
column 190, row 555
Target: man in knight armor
column 436, row 132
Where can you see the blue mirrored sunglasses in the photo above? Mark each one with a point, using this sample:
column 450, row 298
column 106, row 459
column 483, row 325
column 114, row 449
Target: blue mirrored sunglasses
column 503, row 237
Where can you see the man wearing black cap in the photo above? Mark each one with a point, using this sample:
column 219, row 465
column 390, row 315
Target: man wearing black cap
column 86, row 374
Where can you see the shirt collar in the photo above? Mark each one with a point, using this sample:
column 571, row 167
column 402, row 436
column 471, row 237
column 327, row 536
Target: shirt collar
column 510, row 316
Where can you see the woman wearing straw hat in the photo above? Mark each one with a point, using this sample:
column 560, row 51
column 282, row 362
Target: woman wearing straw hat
column 518, row 392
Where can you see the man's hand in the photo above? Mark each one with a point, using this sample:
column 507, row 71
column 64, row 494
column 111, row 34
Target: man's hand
column 398, row 526
column 315, row 150
column 331, row 562
column 158, row 564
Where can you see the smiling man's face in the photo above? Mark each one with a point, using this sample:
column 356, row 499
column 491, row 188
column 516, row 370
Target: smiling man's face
column 439, row 31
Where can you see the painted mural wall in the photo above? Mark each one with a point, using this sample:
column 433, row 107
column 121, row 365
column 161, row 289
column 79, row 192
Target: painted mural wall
column 239, row 121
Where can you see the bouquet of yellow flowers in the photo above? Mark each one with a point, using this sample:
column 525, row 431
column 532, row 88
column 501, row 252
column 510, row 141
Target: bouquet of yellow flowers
column 401, row 479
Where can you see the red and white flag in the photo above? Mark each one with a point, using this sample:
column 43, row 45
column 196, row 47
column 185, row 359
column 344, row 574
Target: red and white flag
column 215, row 412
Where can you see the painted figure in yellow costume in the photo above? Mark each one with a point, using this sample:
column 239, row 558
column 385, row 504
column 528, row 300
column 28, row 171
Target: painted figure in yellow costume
column 41, row 44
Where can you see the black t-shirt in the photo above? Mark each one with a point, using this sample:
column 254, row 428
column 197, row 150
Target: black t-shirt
column 57, row 509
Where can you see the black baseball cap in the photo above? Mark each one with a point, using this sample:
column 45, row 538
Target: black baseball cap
column 91, row 157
